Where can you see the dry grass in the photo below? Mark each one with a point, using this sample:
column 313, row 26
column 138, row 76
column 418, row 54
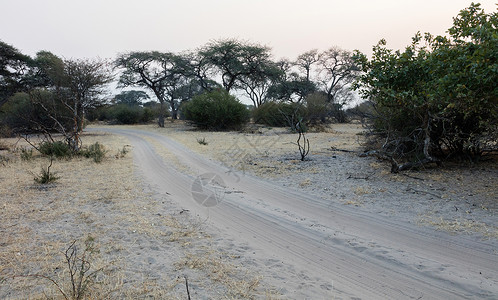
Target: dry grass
column 461, row 225
column 238, row 285
column 253, row 151
column 107, row 202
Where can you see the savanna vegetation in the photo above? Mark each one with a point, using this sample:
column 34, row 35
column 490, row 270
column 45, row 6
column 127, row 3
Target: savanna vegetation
column 433, row 101
column 438, row 98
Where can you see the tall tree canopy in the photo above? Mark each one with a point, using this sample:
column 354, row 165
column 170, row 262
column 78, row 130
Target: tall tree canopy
column 233, row 60
column 163, row 73
column 131, row 98
column 15, row 68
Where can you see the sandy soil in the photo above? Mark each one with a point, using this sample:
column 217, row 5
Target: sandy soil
column 145, row 244
column 456, row 199
column 334, row 226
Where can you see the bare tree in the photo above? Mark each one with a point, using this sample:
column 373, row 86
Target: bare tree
column 71, row 87
column 336, row 72
column 305, row 62
column 86, row 80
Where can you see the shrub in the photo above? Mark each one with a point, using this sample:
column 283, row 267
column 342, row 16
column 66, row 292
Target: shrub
column 438, row 98
column 26, row 154
column 96, row 151
column 23, row 113
column 57, row 149
column 279, row 114
column 148, row 114
column 216, row 110
column 125, row 114
column 317, row 108
column 46, row 176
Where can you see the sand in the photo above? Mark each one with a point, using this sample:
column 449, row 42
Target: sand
column 333, row 226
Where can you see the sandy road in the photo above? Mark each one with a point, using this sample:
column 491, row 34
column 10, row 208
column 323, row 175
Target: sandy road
column 335, row 251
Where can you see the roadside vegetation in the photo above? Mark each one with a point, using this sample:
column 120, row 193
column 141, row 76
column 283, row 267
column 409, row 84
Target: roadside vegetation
column 434, row 102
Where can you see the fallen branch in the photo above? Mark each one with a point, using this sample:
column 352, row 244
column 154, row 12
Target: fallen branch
column 342, row 150
column 186, row 284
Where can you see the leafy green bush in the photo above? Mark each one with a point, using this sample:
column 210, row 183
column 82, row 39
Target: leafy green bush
column 57, row 149
column 125, row 114
column 317, row 108
column 148, row 114
column 216, row 110
column 24, row 114
column 279, row 114
column 96, row 151
column 438, row 98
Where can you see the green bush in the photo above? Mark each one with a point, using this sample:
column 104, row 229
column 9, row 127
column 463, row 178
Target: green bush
column 96, row 151
column 279, row 114
column 148, row 115
column 57, row 149
column 125, row 114
column 24, row 114
column 26, row 154
column 216, row 110
column 317, row 108
column 438, row 98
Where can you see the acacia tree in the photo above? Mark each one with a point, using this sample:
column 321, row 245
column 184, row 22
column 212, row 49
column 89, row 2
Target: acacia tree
column 438, row 98
column 162, row 73
column 198, row 69
column 15, row 69
column 257, row 84
column 234, row 60
column 305, row 62
column 336, row 71
column 131, row 98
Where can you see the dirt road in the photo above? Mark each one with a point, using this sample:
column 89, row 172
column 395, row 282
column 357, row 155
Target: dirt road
column 315, row 249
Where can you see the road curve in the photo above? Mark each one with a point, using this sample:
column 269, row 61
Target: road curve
column 348, row 254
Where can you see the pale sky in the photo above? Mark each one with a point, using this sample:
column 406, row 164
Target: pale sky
column 104, row 28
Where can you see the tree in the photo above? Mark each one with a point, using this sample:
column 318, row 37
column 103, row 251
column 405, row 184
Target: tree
column 257, row 84
column 199, row 71
column 337, row 70
column 162, row 73
column 15, row 69
column 305, row 62
column 293, row 89
column 233, row 60
column 439, row 97
column 131, row 98
column 73, row 86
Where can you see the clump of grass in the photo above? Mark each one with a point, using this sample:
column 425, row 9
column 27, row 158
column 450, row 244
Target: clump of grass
column 219, row 269
column 202, row 141
column 96, row 151
column 26, row 154
column 46, row 176
column 122, row 152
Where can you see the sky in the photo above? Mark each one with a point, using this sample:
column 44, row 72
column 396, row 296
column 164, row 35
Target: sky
column 105, row 28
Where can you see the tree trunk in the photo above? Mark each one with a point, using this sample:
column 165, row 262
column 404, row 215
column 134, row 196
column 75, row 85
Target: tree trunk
column 174, row 110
